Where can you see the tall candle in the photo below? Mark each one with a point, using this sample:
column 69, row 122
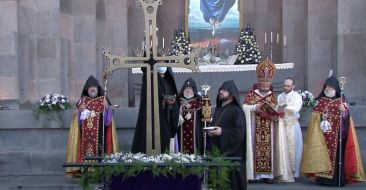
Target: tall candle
column 142, row 45
column 163, row 42
column 278, row 38
column 284, row 40
column 265, row 38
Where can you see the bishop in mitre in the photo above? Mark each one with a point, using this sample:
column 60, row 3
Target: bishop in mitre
column 266, row 138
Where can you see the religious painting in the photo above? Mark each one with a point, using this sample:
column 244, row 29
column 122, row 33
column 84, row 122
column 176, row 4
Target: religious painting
column 214, row 23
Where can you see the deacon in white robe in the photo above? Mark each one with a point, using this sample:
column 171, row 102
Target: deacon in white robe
column 290, row 103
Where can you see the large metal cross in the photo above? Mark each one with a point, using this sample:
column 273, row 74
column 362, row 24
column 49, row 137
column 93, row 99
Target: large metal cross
column 116, row 62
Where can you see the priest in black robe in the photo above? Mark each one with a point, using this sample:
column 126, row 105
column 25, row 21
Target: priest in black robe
column 229, row 133
column 168, row 111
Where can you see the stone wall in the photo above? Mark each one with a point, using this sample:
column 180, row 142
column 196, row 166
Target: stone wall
column 9, row 75
column 54, row 46
column 31, row 146
column 351, row 42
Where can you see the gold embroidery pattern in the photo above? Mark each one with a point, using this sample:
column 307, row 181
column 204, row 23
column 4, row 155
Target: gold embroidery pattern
column 331, row 137
column 263, row 137
column 263, row 149
column 90, row 127
column 188, row 129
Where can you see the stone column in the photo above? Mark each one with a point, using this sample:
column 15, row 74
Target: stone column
column 322, row 42
column 112, row 28
column 39, row 49
column 83, row 46
column 267, row 18
column 294, row 27
column 9, row 53
column 351, row 48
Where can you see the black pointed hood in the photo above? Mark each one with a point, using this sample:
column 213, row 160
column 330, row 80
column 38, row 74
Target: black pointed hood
column 189, row 83
column 92, row 82
column 333, row 82
column 170, row 76
column 232, row 89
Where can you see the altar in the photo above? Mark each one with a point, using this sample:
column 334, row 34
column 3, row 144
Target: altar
column 244, row 77
column 213, row 68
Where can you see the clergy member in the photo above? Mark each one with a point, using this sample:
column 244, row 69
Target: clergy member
column 259, row 107
column 87, row 131
column 190, row 132
column 325, row 159
column 290, row 103
column 168, row 111
column 229, row 133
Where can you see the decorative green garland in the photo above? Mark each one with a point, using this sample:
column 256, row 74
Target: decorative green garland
column 218, row 177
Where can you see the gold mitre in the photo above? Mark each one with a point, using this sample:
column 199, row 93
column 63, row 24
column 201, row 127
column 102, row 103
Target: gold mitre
column 265, row 71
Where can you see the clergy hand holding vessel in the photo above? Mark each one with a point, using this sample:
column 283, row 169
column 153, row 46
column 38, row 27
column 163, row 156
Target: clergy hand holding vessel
column 215, row 132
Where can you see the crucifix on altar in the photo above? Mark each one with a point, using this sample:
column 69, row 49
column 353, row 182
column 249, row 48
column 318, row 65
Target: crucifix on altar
column 153, row 61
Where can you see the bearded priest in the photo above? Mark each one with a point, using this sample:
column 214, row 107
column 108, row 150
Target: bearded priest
column 91, row 125
column 331, row 153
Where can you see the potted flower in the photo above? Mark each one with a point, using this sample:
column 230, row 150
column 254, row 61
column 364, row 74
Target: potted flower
column 308, row 102
column 49, row 109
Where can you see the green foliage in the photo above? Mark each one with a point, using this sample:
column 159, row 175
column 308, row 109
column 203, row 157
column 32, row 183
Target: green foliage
column 46, row 109
column 218, row 176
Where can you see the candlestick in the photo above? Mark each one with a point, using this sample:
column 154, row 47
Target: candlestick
column 271, row 37
column 265, row 38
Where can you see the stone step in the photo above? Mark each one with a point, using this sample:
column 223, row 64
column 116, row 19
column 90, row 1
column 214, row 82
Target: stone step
column 60, row 182
column 39, row 182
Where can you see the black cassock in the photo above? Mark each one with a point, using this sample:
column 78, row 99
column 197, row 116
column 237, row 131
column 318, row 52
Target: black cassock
column 231, row 142
column 168, row 114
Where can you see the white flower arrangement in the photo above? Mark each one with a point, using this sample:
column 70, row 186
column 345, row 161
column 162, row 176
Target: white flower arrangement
column 53, row 102
column 308, row 99
column 121, row 157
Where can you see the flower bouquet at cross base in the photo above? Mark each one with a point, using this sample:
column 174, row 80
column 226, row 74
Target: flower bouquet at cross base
column 120, row 157
column 308, row 99
column 128, row 165
column 53, row 103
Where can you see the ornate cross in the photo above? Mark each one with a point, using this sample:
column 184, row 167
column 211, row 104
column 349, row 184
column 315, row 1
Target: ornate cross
column 154, row 61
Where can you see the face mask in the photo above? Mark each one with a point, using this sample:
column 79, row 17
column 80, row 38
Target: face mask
column 188, row 95
column 93, row 94
column 330, row 93
column 162, row 69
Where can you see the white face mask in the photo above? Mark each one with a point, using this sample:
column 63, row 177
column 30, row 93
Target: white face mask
column 329, row 93
column 188, row 95
column 162, row 69
column 93, row 94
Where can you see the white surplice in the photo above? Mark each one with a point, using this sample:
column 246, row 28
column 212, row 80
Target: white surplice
column 294, row 139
